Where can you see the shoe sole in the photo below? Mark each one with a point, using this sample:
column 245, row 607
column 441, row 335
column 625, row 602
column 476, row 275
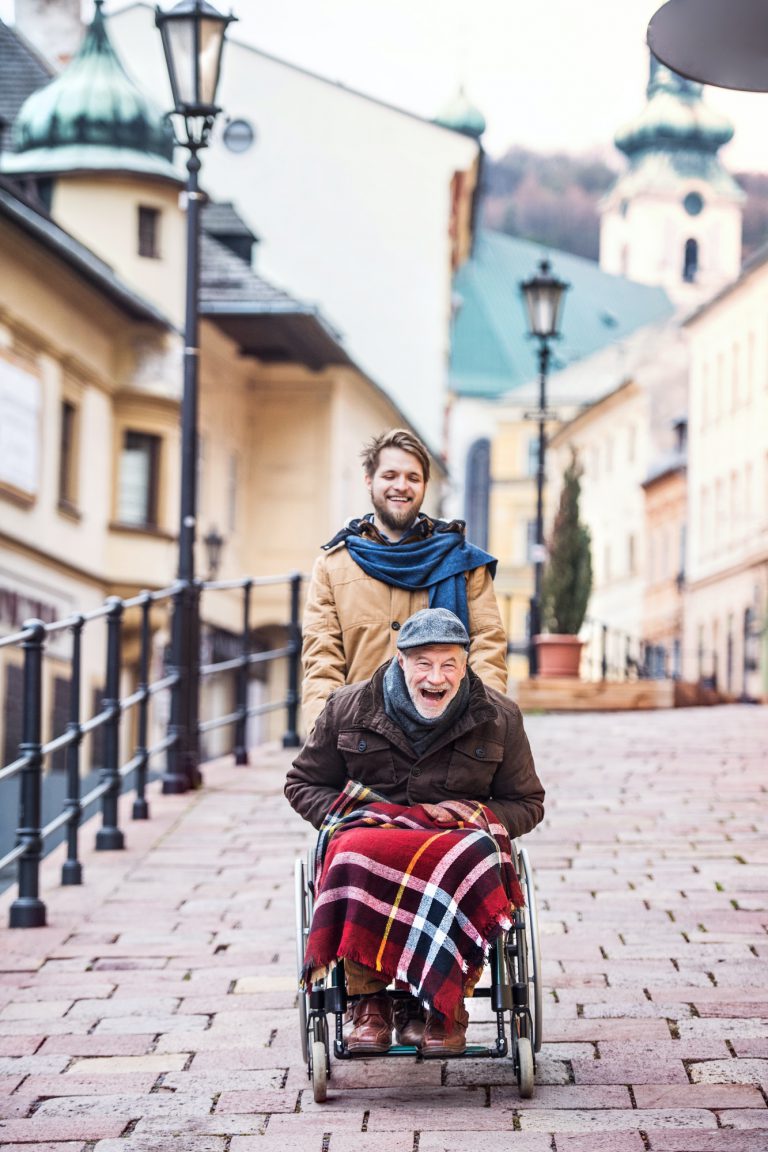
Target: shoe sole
column 368, row 1049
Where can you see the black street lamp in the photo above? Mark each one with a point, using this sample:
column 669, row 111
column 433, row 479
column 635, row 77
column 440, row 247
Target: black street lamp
column 193, row 35
column 544, row 295
column 214, row 544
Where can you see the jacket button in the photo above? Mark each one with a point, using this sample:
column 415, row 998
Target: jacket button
column 416, row 772
column 395, row 625
column 480, row 753
column 361, row 745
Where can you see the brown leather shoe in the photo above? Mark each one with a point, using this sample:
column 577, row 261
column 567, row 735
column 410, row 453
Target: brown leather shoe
column 409, row 1021
column 444, row 1037
column 371, row 1025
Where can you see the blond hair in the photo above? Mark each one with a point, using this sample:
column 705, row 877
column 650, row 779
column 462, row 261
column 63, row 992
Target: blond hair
column 396, row 438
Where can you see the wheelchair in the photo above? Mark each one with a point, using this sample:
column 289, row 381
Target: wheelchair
column 515, row 992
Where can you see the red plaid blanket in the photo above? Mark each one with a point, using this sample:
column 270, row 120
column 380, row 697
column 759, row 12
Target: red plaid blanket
column 415, row 893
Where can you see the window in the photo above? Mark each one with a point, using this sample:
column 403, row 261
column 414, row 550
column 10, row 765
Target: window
column 690, row 261
column 137, row 496
column 631, row 555
column 232, row 486
column 68, row 456
column 149, row 232
column 533, row 456
column 530, row 541
column 477, row 492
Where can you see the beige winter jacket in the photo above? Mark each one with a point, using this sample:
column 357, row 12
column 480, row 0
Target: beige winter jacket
column 351, row 623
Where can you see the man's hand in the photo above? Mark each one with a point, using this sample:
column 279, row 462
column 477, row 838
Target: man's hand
column 439, row 814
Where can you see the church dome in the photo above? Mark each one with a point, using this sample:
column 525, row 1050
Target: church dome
column 461, row 116
column 675, row 117
column 92, row 117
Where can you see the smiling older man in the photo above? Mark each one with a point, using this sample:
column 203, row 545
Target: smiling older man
column 417, row 779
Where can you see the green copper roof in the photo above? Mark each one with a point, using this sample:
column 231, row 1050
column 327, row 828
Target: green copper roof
column 674, row 117
column 674, row 140
column 93, row 117
column 491, row 350
column 462, row 116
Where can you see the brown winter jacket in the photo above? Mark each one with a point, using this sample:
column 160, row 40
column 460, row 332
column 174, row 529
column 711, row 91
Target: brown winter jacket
column 484, row 756
column 351, row 623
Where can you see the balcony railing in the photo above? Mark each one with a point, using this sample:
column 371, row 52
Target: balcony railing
column 128, row 756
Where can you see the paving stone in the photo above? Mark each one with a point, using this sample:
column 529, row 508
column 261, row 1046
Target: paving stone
column 65, row 1146
column 112, row 1083
column 708, row 1095
column 751, row 1118
column 742, row 1071
column 40, row 1130
column 137, row 1045
column 600, row 1142
column 723, row 1140
column 158, row 1142
column 449, row 1141
column 616, row 1120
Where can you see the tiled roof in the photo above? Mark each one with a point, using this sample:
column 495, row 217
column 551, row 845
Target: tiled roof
column 492, row 353
column 22, row 72
column 226, row 279
column 221, row 218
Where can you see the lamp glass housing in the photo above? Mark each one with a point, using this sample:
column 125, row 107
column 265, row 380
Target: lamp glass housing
column 544, row 295
column 193, row 41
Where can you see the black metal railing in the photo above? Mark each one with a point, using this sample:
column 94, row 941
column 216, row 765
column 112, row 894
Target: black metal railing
column 146, row 613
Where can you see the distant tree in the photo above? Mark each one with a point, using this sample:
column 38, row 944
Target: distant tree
column 567, row 577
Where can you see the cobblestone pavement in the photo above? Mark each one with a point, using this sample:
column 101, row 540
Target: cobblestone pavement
column 157, row 1009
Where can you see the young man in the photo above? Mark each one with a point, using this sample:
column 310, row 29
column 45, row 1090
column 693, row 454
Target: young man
column 380, row 569
column 425, row 773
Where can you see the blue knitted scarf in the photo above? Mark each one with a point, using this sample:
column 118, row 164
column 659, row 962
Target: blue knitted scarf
column 437, row 563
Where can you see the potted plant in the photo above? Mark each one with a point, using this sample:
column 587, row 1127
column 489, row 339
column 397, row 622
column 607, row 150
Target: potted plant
column 566, row 583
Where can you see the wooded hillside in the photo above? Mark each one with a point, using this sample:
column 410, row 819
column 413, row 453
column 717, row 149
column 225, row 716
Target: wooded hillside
column 553, row 199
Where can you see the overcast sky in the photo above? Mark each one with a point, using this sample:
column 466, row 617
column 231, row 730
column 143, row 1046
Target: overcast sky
column 547, row 74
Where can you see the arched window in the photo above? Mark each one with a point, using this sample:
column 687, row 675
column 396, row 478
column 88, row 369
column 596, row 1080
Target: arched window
column 477, row 492
column 691, row 261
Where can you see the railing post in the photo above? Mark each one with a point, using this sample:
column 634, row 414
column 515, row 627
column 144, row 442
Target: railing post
column 241, row 752
column 72, row 869
column 291, row 737
column 194, row 775
column 109, row 836
column 28, row 910
column 140, row 805
column 175, row 779
column 603, row 651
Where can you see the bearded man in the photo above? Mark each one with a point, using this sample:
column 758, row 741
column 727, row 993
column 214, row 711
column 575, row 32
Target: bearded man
column 417, row 779
column 380, row 569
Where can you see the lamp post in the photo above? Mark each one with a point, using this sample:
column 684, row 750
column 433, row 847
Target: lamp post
column 193, row 34
column 543, row 295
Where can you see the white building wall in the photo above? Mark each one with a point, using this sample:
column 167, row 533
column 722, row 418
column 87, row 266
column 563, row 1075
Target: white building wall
column 351, row 200
column 646, row 241
column 727, row 561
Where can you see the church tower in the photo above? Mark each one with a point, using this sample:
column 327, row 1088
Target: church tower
column 674, row 217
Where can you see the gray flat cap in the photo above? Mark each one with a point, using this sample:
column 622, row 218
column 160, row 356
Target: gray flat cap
column 432, row 626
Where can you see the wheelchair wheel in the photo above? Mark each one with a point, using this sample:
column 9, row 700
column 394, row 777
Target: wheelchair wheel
column 303, row 908
column 317, row 1066
column 524, row 1066
column 534, row 951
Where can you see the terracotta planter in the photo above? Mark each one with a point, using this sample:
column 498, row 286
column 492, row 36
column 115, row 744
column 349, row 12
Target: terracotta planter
column 558, row 655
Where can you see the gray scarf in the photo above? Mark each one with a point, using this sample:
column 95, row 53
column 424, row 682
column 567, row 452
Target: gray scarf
column 421, row 731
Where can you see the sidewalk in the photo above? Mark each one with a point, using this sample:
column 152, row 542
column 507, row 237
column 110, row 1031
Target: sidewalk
column 157, row 1009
